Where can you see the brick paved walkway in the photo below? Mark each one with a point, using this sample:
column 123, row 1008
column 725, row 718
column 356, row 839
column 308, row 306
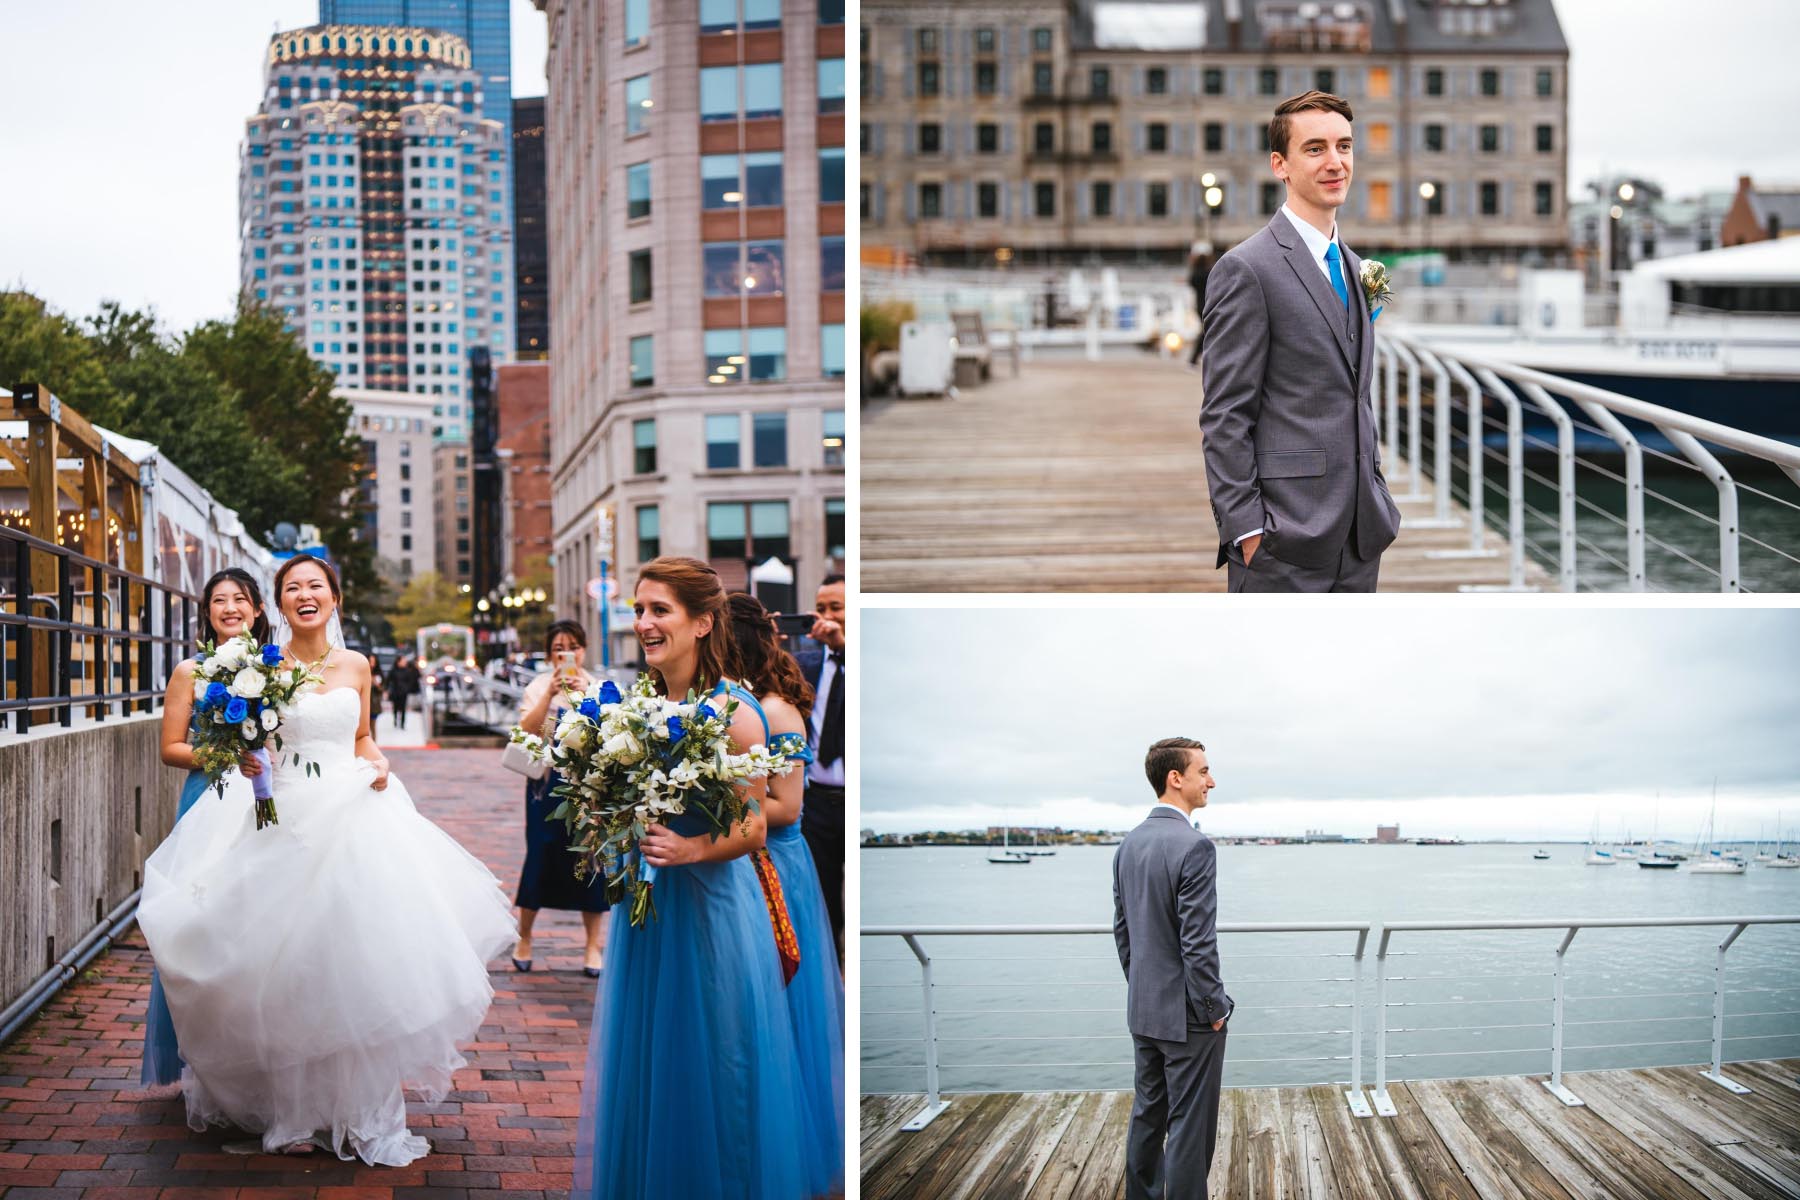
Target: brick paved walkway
column 75, row 1125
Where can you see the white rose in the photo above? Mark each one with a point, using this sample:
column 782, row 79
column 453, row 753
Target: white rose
column 201, row 683
column 248, row 684
column 270, row 719
column 230, row 655
column 248, row 729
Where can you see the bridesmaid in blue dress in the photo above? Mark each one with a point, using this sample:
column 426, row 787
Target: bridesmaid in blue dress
column 816, row 992
column 230, row 604
column 693, row 1085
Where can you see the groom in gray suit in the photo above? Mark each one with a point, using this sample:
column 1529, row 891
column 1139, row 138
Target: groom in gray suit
column 1165, row 914
column 1291, row 463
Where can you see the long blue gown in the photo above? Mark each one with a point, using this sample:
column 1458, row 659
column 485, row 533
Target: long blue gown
column 693, row 1085
column 162, row 1054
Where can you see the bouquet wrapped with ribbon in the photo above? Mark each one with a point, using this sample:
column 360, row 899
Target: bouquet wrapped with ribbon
column 240, row 692
column 632, row 759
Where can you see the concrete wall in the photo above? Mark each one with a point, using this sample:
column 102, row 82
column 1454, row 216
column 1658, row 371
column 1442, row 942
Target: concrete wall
column 115, row 802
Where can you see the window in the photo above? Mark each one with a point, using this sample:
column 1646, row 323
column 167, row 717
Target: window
column 1156, row 137
column 1044, row 195
column 1156, row 197
column 719, row 181
column 649, row 533
column 1100, row 82
column 1546, row 139
column 831, row 86
column 1325, row 79
column 987, row 138
column 831, row 12
column 984, row 40
column 1156, row 81
column 637, row 191
column 637, row 105
column 762, row 179
column 1381, row 83
column 833, row 427
column 768, row 440
column 1270, row 199
column 928, row 79
column 1213, row 81
column 1042, row 41
column 1434, row 82
column 1043, row 138
column 718, row 93
column 987, row 79
column 1268, row 81
column 1103, row 198
column 726, row 531
column 831, row 175
column 1490, row 199
column 931, row 200
column 716, row 16
column 643, row 447
column 1435, row 205
column 768, row 354
column 834, row 528
column 763, row 269
column 928, row 41
column 831, row 350
column 931, row 139
column 1546, row 82
column 1544, row 199
column 831, row 264
column 640, row 276
column 637, row 22
column 724, row 350
column 987, row 199
column 741, row 531
column 1102, row 137
column 1381, row 138
column 1043, row 81
column 1215, row 137
column 722, row 431
column 1490, row 139
column 762, row 89
column 643, row 361
column 1490, row 82
column 1381, row 201
column 1434, row 138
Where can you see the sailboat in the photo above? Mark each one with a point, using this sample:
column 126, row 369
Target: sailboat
column 1034, row 852
column 1657, row 860
column 1540, row 854
column 1597, row 857
column 1008, row 856
column 1781, row 861
column 1706, row 860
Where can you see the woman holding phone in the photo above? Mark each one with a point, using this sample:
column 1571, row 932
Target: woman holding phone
column 548, row 878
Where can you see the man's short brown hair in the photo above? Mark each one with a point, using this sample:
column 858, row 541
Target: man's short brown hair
column 1170, row 754
column 1322, row 101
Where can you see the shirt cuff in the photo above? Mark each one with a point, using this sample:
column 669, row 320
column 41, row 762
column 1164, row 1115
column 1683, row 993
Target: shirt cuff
column 1257, row 532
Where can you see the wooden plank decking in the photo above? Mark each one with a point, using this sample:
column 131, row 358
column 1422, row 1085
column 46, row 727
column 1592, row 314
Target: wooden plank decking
column 1075, row 476
column 1659, row 1134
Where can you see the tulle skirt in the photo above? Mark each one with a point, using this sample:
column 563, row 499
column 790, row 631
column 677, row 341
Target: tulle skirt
column 316, row 967
column 815, row 999
column 162, row 1049
column 693, row 1086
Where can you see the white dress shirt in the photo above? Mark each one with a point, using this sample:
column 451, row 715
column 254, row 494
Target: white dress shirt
column 832, row 773
column 1190, row 818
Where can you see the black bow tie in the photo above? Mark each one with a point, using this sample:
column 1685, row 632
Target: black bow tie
column 837, row 656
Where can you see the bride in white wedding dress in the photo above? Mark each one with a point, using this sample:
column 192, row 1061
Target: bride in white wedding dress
column 316, row 967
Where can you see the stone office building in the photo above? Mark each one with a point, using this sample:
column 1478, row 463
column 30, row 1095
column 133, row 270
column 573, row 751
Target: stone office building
column 1034, row 131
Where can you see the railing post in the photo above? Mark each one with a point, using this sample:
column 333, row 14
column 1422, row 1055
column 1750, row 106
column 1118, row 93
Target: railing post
column 1477, row 484
column 1515, row 478
column 1717, row 1074
column 1390, row 376
column 1384, row 1104
column 1634, row 488
column 1713, row 469
column 1359, row 1103
column 65, row 641
column 1565, row 484
column 933, row 1104
column 1554, row 1085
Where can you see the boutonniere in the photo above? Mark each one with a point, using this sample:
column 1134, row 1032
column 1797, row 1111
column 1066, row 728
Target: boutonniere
column 1377, row 287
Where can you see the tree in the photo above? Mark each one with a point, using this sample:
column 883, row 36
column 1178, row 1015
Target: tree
column 429, row 599
column 45, row 347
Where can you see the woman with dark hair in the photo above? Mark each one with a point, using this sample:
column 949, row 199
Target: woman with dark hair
column 318, row 967
column 547, row 880
column 231, row 604
column 815, row 994
column 693, row 1085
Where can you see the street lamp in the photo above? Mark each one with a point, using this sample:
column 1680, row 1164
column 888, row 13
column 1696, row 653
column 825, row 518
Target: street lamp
column 1214, row 196
column 1427, row 190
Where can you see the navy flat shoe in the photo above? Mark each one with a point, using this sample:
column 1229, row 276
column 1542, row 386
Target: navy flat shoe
column 522, row 965
column 591, row 972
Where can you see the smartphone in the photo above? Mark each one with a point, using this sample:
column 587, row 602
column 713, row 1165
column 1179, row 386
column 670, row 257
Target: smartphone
column 794, row 624
column 566, row 660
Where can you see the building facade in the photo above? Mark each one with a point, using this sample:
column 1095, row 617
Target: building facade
column 1759, row 214
column 531, row 247
column 399, row 479
column 1036, row 131
column 452, row 508
column 523, row 452
column 374, row 211
column 695, row 173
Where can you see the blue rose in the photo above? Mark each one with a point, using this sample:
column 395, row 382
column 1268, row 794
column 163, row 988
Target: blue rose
column 677, row 731
column 216, row 694
column 706, row 713
column 609, row 693
column 236, row 710
column 271, row 655
column 589, row 708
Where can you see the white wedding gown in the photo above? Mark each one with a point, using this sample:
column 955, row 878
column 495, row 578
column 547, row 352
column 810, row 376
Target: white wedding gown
column 317, row 966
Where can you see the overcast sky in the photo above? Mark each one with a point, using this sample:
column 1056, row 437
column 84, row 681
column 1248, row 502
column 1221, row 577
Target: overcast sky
column 1455, row 722
column 120, row 126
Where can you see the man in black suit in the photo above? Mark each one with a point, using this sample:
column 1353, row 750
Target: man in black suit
column 822, row 815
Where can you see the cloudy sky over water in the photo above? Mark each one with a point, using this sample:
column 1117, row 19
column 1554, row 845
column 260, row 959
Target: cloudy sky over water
column 1470, row 723
column 121, row 125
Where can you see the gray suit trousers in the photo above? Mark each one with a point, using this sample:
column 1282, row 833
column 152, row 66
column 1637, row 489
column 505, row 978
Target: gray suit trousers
column 1177, row 1099
column 1266, row 573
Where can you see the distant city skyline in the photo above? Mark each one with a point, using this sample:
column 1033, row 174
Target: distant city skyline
column 1474, row 724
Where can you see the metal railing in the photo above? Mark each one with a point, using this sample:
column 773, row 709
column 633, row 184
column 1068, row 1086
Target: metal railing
column 1525, row 491
column 934, row 1102
column 97, row 637
column 1377, row 1102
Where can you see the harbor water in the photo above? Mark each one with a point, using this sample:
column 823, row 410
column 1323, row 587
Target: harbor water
column 1024, row 1013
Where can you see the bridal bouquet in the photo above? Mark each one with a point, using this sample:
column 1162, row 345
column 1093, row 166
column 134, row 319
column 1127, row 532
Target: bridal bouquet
column 632, row 759
column 240, row 692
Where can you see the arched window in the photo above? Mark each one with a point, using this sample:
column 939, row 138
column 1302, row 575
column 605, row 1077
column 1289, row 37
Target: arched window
column 392, row 46
column 424, row 47
column 409, row 45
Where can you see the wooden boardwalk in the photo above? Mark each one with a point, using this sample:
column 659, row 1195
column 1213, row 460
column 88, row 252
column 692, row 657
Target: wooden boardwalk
column 1075, row 477
column 1661, row 1134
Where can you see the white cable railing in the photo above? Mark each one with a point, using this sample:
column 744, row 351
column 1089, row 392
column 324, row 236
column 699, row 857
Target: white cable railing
column 1558, row 536
column 1377, row 1100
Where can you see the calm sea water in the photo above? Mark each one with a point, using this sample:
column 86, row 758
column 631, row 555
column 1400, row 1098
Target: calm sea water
column 1047, row 1012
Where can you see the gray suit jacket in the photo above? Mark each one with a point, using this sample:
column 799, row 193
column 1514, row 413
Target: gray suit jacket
column 1288, row 423
column 1165, row 916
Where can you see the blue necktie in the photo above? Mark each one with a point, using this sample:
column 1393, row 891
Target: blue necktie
column 1337, row 274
